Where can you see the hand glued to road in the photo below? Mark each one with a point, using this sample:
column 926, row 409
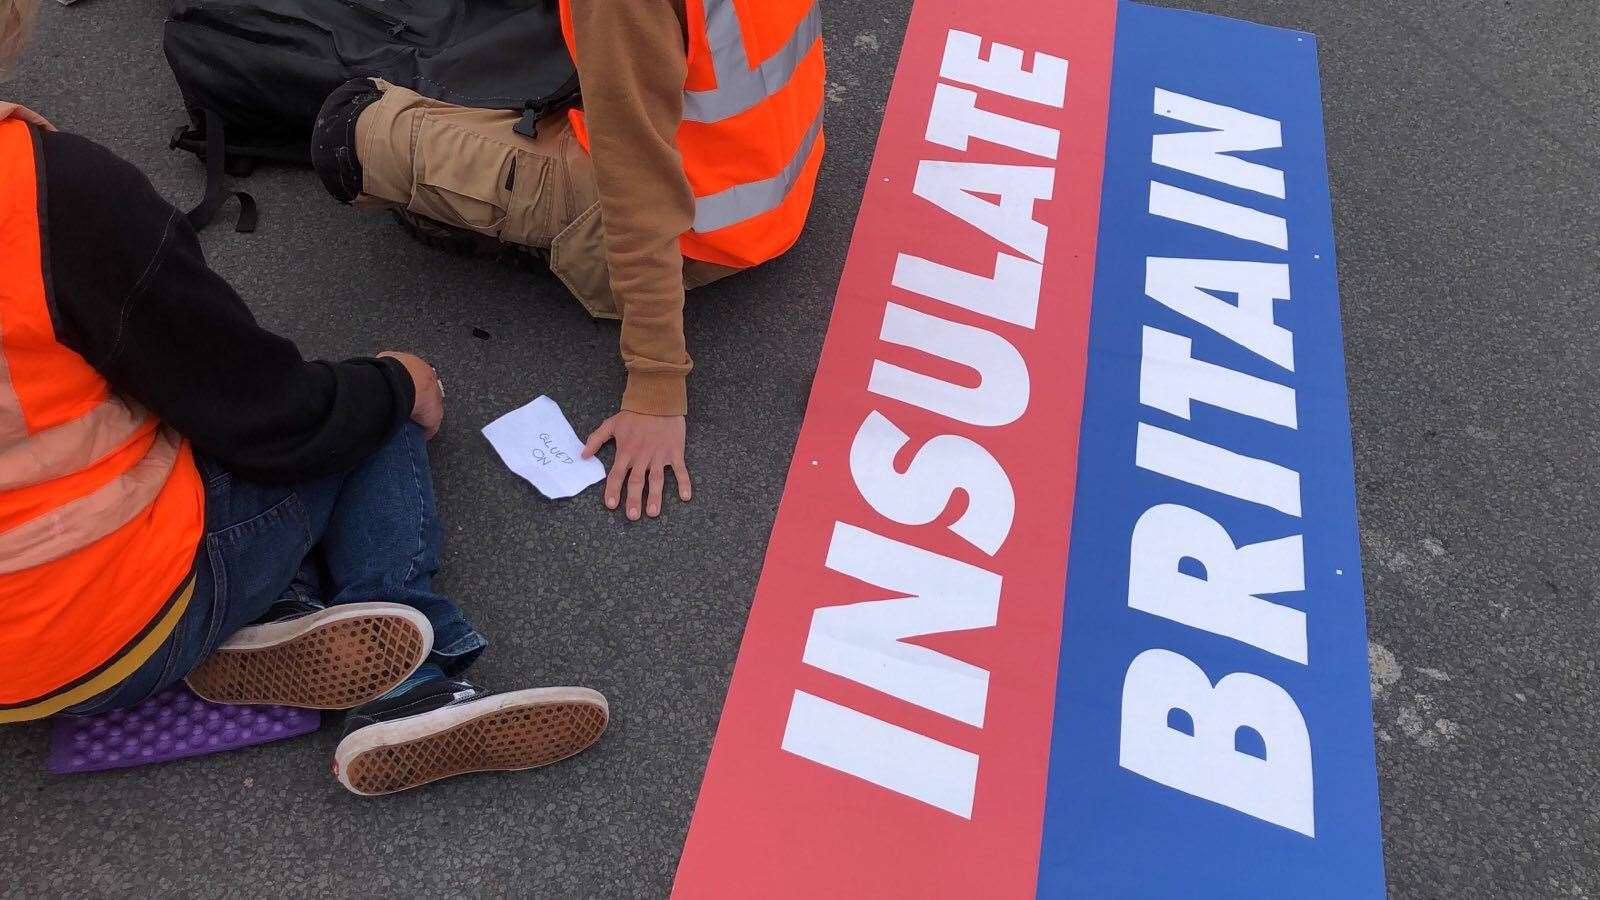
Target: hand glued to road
column 646, row 447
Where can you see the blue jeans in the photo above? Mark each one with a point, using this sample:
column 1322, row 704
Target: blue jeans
column 370, row 534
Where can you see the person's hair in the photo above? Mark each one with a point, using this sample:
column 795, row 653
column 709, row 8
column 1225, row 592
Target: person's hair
column 16, row 23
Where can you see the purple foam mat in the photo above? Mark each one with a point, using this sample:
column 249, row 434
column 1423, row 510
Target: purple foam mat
column 171, row 725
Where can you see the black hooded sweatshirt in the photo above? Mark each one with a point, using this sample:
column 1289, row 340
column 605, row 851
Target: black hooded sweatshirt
column 131, row 292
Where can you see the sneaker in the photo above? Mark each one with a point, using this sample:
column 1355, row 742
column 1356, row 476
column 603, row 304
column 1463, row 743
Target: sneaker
column 333, row 137
column 317, row 658
column 444, row 727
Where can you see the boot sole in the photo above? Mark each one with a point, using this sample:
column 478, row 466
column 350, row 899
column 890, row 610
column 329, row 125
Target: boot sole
column 470, row 244
column 337, row 658
column 503, row 733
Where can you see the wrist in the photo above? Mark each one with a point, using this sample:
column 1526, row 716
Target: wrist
column 419, row 373
column 656, row 394
column 402, row 379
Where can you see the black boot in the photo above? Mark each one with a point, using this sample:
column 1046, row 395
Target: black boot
column 471, row 244
column 333, row 137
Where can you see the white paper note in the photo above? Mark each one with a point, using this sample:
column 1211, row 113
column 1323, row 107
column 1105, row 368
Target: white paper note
column 537, row 443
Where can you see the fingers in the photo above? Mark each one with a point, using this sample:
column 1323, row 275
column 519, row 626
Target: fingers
column 646, row 446
column 636, row 476
column 658, row 481
column 597, row 440
column 685, row 486
column 619, row 468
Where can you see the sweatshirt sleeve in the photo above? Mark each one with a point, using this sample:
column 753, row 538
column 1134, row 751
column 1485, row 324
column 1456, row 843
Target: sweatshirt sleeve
column 131, row 293
column 632, row 63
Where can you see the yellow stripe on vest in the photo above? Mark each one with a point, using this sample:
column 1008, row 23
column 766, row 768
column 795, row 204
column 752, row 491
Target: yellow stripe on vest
column 113, row 674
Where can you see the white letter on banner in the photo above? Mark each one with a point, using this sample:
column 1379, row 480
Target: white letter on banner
column 1002, row 72
column 1205, row 760
column 942, row 466
column 1001, row 396
column 1218, row 215
column 1226, row 598
column 954, row 187
column 1203, row 153
column 864, row 642
column 1012, row 295
column 1213, row 468
column 1170, row 378
column 887, row 755
column 956, row 118
column 1186, row 286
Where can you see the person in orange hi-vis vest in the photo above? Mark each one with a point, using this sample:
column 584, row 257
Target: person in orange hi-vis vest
column 694, row 155
column 184, row 497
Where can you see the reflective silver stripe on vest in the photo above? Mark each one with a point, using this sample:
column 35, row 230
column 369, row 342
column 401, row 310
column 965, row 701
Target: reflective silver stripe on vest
column 13, row 425
column 741, row 86
column 71, row 446
column 79, row 523
column 746, row 201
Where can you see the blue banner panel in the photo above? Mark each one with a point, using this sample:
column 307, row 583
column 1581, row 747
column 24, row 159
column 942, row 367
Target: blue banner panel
column 1213, row 727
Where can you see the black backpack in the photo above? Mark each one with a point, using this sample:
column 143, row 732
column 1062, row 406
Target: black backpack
column 254, row 73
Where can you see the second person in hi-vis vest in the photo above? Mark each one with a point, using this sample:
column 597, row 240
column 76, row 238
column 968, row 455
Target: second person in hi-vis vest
column 694, row 155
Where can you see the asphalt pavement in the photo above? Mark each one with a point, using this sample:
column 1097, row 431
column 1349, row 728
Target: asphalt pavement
column 1464, row 172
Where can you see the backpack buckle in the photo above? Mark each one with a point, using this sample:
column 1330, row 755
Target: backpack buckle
column 528, row 125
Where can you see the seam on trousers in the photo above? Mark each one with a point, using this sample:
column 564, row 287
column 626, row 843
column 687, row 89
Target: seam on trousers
column 416, row 142
column 564, row 152
column 485, row 138
column 422, row 519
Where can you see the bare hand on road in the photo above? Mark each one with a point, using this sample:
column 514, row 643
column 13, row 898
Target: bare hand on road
column 646, row 446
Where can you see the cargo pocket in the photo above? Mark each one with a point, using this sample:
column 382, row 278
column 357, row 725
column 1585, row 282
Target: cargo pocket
column 578, row 258
column 461, row 178
column 530, row 208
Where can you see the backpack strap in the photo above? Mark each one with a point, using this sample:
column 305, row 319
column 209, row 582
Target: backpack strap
column 216, row 180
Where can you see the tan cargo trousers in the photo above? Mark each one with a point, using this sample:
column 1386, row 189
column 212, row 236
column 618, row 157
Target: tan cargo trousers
column 469, row 169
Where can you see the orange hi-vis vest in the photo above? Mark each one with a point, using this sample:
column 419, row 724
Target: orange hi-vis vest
column 751, row 137
column 101, row 507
